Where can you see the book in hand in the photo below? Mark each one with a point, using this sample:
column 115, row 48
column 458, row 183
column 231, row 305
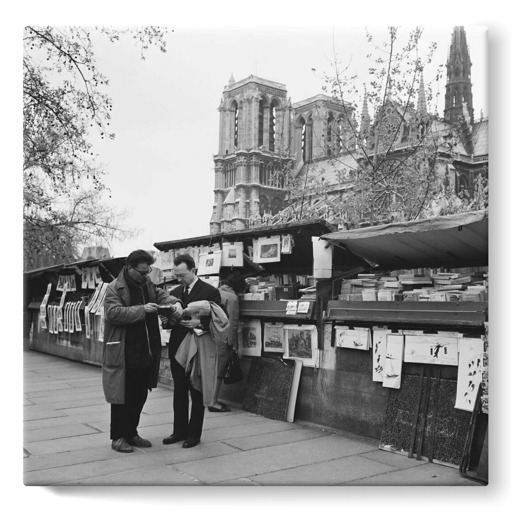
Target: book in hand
column 166, row 309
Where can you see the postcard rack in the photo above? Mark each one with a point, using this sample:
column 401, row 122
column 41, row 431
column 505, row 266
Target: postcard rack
column 274, row 309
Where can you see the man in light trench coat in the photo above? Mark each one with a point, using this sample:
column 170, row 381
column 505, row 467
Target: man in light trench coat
column 131, row 356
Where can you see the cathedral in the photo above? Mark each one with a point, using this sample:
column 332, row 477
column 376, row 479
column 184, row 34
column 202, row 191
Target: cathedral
column 263, row 136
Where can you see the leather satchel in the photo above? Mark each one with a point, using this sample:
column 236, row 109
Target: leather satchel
column 233, row 372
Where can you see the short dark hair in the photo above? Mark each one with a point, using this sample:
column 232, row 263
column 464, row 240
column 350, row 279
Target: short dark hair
column 185, row 258
column 236, row 281
column 139, row 256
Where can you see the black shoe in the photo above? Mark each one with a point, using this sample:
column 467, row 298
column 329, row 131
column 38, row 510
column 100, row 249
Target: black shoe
column 190, row 442
column 173, row 438
column 222, row 408
column 139, row 442
column 120, row 445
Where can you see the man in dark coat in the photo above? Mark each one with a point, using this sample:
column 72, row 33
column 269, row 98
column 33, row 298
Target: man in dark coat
column 131, row 355
column 191, row 289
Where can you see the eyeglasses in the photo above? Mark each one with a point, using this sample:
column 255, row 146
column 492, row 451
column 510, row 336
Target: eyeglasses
column 143, row 272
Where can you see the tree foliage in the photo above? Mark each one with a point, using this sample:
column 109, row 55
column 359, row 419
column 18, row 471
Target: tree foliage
column 389, row 152
column 64, row 98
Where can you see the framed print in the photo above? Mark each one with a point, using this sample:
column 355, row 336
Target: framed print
column 232, row 254
column 379, row 353
column 286, row 244
column 209, row 263
column 301, row 342
column 250, row 335
column 273, row 337
column 393, row 362
column 469, row 373
column 267, row 249
column 357, row 338
column 438, row 348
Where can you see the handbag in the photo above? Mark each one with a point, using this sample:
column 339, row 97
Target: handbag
column 233, row 372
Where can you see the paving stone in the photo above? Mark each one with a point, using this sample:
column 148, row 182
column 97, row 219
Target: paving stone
column 425, row 474
column 141, row 476
column 90, row 417
column 394, row 459
column 275, row 458
column 333, row 472
column 126, row 462
column 70, row 430
column 67, row 444
column 275, row 438
column 70, row 459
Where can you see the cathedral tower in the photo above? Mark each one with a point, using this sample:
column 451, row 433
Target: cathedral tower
column 459, row 97
column 254, row 146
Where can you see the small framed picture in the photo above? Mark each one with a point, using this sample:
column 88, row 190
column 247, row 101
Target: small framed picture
column 209, row 263
column 301, row 342
column 273, row 337
column 286, row 244
column 267, row 249
column 250, row 336
column 232, row 254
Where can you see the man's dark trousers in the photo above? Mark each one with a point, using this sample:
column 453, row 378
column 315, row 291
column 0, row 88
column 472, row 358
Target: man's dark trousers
column 183, row 427
column 124, row 418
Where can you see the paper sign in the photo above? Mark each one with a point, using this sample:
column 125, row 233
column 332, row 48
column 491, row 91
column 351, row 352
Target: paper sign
column 322, row 258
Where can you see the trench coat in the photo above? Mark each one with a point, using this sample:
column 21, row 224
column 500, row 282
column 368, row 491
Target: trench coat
column 118, row 317
column 204, row 357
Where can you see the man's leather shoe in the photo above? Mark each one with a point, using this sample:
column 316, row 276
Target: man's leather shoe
column 190, row 442
column 139, row 442
column 120, row 445
column 173, row 438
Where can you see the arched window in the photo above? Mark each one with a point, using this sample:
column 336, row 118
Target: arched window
column 272, row 126
column 235, row 117
column 229, row 175
column 277, row 205
column 303, row 139
column 264, row 205
column 261, row 117
column 329, row 134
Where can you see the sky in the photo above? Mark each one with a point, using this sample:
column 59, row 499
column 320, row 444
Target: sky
column 165, row 117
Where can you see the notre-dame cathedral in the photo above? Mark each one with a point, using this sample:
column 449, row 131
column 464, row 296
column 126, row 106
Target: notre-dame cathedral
column 261, row 133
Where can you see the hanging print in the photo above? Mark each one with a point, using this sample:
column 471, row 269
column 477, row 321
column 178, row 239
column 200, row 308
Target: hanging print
column 273, row 337
column 250, row 334
column 438, row 348
column 393, row 360
column 301, row 342
column 469, row 374
column 379, row 353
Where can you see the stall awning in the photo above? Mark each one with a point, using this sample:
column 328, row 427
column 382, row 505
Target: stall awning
column 459, row 240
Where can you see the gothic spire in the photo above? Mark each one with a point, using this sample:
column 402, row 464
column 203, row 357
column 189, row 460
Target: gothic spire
column 458, row 83
column 365, row 118
column 421, row 106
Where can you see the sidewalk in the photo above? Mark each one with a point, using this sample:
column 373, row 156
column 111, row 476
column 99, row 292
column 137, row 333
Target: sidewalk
column 66, row 442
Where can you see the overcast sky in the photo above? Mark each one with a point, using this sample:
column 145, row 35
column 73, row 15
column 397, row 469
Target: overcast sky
column 160, row 166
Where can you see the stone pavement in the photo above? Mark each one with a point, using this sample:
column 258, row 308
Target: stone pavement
column 66, row 442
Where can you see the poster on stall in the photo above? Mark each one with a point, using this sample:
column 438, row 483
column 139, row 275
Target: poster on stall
column 393, row 361
column 438, row 348
column 322, row 258
column 267, row 249
column 42, row 308
column 469, row 373
column 209, row 263
column 301, row 342
column 358, row 338
column 250, row 336
column 286, row 244
column 273, row 337
column 379, row 353
column 232, row 254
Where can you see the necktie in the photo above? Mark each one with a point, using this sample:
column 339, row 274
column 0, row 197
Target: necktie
column 185, row 295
